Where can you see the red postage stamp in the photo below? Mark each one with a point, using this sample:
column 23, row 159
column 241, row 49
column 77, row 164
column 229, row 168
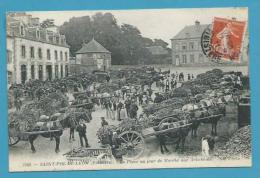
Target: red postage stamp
column 227, row 38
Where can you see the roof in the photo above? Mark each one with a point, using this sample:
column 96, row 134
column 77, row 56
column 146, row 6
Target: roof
column 157, row 50
column 30, row 33
column 191, row 31
column 92, row 47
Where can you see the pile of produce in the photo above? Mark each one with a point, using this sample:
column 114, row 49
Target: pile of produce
column 78, row 113
column 26, row 118
column 137, row 76
column 178, row 114
column 209, row 77
column 181, row 92
column 52, row 103
column 197, row 89
column 173, row 103
column 128, row 124
column 108, row 87
column 238, row 146
column 104, row 134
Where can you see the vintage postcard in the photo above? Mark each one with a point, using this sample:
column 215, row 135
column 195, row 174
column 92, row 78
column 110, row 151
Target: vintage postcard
column 128, row 89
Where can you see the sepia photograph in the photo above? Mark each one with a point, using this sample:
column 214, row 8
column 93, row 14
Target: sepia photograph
column 128, row 89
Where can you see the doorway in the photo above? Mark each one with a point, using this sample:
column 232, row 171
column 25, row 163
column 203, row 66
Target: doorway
column 49, row 72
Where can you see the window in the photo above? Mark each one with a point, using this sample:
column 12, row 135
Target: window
column 177, row 56
column 40, row 72
column 32, row 72
column 192, row 58
column 66, row 71
column 23, row 73
column 38, row 34
column 61, row 70
column 23, row 51
column 56, row 71
column 90, row 55
column 61, row 56
column 9, row 57
column 98, row 56
column 191, row 45
column 48, row 54
column 32, row 52
column 184, row 59
column 66, row 56
column 57, row 40
column 177, row 47
column 40, row 53
column 56, row 54
column 22, row 30
column 183, row 47
column 200, row 57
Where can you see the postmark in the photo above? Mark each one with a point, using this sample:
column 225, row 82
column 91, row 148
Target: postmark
column 223, row 40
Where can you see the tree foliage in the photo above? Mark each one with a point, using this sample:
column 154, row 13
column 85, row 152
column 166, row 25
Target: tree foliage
column 125, row 42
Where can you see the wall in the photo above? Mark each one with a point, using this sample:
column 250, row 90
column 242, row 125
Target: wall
column 36, row 61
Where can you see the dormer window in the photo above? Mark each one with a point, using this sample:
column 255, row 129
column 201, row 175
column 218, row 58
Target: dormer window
column 22, row 30
column 57, row 40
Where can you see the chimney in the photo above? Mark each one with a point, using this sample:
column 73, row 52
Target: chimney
column 197, row 22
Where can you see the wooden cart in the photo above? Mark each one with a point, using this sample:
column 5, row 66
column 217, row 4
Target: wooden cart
column 133, row 142
column 16, row 135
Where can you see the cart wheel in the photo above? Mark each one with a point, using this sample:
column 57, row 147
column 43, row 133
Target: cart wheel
column 13, row 140
column 132, row 144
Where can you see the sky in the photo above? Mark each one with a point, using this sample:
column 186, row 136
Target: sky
column 153, row 23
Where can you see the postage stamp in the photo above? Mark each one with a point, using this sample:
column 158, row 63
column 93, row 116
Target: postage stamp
column 223, row 40
column 128, row 89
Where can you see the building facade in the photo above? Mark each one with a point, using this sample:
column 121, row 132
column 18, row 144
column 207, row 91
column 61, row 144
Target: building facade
column 186, row 45
column 93, row 56
column 34, row 52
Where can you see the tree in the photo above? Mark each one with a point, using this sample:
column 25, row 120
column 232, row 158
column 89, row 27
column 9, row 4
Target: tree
column 125, row 42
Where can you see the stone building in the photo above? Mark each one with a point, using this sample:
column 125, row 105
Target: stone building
column 186, row 45
column 92, row 56
column 33, row 51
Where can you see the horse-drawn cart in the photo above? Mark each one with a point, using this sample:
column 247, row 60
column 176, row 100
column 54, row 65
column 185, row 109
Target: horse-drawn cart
column 16, row 134
column 133, row 141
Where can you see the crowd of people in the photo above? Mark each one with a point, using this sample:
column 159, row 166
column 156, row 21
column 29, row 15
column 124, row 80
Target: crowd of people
column 119, row 105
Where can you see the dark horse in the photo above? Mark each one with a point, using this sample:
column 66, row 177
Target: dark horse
column 56, row 129
column 204, row 116
column 177, row 136
column 55, row 132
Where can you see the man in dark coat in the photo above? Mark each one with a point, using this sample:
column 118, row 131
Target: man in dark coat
column 103, row 122
column 133, row 110
column 82, row 128
column 158, row 98
column 119, row 107
column 127, row 106
column 18, row 104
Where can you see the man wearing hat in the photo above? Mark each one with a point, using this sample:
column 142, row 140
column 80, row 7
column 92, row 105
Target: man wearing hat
column 103, row 122
column 158, row 98
column 81, row 128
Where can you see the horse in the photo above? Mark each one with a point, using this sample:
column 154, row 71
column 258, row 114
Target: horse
column 55, row 128
column 204, row 112
column 177, row 136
